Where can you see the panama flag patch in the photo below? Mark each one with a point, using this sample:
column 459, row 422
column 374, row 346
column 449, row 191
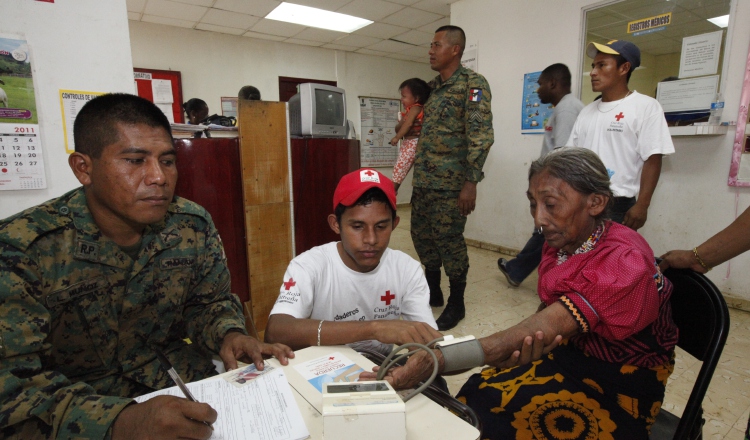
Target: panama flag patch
column 475, row 95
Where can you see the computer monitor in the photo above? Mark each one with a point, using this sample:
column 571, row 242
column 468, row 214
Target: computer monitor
column 318, row 110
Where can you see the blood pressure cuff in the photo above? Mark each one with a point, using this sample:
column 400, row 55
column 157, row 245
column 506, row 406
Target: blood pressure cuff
column 461, row 355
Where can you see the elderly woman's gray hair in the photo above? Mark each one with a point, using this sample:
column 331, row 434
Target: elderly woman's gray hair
column 578, row 167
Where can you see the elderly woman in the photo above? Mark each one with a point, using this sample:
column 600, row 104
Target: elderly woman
column 602, row 291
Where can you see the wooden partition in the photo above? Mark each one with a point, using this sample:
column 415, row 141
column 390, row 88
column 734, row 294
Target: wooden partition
column 264, row 156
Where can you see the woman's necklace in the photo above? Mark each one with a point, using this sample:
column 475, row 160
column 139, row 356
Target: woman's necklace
column 587, row 245
column 618, row 103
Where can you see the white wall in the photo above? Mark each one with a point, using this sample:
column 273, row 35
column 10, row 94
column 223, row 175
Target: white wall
column 692, row 201
column 78, row 45
column 213, row 65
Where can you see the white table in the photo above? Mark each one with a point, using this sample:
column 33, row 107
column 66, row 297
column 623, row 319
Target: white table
column 425, row 419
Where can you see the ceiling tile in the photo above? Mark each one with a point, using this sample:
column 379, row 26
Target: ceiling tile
column 399, row 56
column 206, row 3
column 381, row 30
column 372, row 52
column 279, row 28
column 415, row 37
column 135, row 5
column 417, row 52
column 370, row 9
column 258, row 8
column 168, row 21
column 135, row 16
column 404, row 2
column 174, row 10
column 390, row 46
column 328, row 5
column 260, row 36
column 303, row 42
column 357, row 40
column 320, row 35
column 340, row 47
column 430, row 28
column 220, row 29
column 411, row 18
column 229, row 19
column 441, row 7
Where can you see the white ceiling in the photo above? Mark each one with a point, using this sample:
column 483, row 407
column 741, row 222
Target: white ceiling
column 402, row 29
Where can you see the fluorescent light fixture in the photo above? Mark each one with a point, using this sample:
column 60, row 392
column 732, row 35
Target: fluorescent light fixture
column 722, row 21
column 318, row 18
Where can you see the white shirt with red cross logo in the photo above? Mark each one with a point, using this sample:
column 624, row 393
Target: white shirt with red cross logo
column 318, row 285
column 624, row 134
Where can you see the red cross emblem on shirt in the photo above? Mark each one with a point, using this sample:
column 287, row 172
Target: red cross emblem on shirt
column 369, row 173
column 620, row 116
column 288, row 284
column 387, row 297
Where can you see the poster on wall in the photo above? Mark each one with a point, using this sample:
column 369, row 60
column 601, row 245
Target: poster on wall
column 21, row 155
column 700, row 54
column 470, row 57
column 378, row 118
column 534, row 114
column 17, row 97
column 71, row 102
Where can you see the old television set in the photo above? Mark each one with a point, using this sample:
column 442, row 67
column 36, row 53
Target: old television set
column 318, row 110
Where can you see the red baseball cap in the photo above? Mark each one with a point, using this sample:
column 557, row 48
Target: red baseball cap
column 353, row 185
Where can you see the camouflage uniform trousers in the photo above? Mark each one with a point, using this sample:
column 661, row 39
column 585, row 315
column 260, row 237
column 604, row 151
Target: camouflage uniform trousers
column 437, row 229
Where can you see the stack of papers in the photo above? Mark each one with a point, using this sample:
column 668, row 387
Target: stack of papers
column 188, row 127
column 263, row 408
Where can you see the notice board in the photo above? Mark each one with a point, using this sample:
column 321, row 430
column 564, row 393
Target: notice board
column 148, row 83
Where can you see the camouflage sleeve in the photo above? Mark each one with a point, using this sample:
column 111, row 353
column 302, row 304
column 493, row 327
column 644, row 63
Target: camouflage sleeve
column 211, row 309
column 479, row 132
column 36, row 402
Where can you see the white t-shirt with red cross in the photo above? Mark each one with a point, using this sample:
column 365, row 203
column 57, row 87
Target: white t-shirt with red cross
column 318, row 285
column 624, row 134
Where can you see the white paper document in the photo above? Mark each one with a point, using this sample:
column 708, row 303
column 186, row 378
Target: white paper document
column 263, row 409
column 162, row 91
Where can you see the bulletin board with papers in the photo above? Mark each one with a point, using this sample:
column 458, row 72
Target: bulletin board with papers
column 163, row 88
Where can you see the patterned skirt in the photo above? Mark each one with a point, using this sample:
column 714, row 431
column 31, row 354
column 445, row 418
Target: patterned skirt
column 567, row 395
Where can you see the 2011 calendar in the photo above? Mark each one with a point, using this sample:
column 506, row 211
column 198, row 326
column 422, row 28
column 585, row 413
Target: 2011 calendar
column 21, row 157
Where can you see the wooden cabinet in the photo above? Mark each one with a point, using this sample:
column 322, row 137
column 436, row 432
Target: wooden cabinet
column 210, row 175
column 317, row 167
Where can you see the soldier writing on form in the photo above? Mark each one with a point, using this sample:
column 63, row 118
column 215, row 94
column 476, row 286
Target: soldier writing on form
column 94, row 281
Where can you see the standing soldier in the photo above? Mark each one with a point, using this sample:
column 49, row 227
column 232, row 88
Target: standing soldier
column 456, row 138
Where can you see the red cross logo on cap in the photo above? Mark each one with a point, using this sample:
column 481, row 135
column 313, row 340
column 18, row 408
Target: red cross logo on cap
column 369, row 173
column 369, row 176
column 387, row 297
column 620, row 116
column 288, row 284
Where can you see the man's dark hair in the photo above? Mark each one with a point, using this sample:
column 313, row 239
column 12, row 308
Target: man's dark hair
column 194, row 105
column 249, row 92
column 620, row 60
column 455, row 35
column 369, row 196
column 559, row 72
column 95, row 126
column 418, row 87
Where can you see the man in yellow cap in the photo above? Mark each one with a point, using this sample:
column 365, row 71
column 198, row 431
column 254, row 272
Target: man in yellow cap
column 625, row 128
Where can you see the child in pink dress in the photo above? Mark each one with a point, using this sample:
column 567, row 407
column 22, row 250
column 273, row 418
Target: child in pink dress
column 414, row 93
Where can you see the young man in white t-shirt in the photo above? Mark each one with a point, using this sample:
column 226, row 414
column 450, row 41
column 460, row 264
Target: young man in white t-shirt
column 626, row 129
column 356, row 291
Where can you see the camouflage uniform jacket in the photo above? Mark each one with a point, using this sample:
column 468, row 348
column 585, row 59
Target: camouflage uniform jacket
column 78, row 317
column 456, row 133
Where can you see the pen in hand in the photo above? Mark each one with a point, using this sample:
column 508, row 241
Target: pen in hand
column 176, row 378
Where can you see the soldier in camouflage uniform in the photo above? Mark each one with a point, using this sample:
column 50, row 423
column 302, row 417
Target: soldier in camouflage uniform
column 456, row 137
column 91, row 283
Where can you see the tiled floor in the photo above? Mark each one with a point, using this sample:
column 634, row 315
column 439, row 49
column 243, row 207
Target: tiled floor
column 492, row 306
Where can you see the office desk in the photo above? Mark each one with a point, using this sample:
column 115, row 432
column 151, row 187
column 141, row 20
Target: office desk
column 425, row 419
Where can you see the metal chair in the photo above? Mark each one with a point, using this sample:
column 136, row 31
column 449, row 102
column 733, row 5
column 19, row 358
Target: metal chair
column 701, row 314
column 437, row 395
